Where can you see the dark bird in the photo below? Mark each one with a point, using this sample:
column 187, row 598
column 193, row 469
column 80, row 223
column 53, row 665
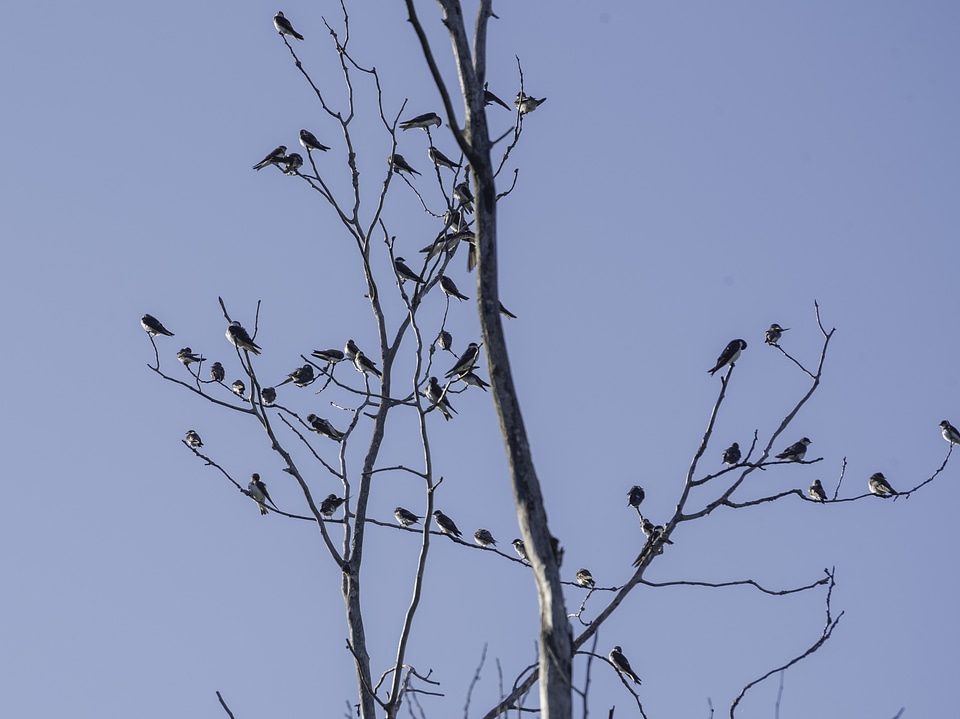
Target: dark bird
column 438, row 398
column 428, row 119
column 284, row 27
column 240, row 339
column 635, row 496
column 193, row 439
column 258, row 490
column 879, row 485
column 490, row 99
column 350, row 350
column 441, row 160
column 187, row 356
column 621, row 664
column 330, row 505
column 405, row 516
column 450, row 289
column 467, row 360
column 774, row 333
column 153, row 327
column 795, row 452
column 268, row 395
column 525, row 103
column 404, row 272
column 730, row 354
column 277, row 157
column 507, row 313
column 238, row 387
column 950, row 432
column 446, row 524
column 464, row 196
column 445, row 341
column 731, row 455
column 472, row 379
column 484, row 538
column 310, row 142
column 294, row 162
column 653, row 532
column 400, row 165
column 520, row 549
column 364, row 364
column 216, row 372
column 322, row 426
column 301, row 376
column 585, row 579
column 816, row 491
column 331, row 356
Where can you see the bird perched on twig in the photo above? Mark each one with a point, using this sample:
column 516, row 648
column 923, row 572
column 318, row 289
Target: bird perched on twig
column 217, row 373
column 330, row 505
column 621, row 664
column 323, row 426
column 774, row 333
column 731, row 455
column 950, row 432
column 238, row 387
column 446, row 524
column 729, row 356
column 187, row 356
column 484, row 538
column 427, row 119
column 520, row 549
column 526, row 104
column 284, row 27
column 879, row 486
column 398, row 164
column 467, row 360
column 332, row 356
column 301, row 376
column 310, row 142
column 439, row 159
column 585, row 579
column 438, row 398
column 153, row 327
column 277, row 157
column 193, row 439
column 795, row 452
column 258, row 490
column 404, row 272
column 635, row 496
column 293, row 161
column 240, row 339
column 405, row 516
column 364, row 364
column 450, row 289
column 816, row 491
column 268, row 395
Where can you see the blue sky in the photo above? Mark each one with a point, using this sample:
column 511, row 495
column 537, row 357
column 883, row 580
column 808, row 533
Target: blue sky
column 698, row 171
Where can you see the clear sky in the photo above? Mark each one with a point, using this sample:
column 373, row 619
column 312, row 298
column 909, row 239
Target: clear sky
column 698, row 171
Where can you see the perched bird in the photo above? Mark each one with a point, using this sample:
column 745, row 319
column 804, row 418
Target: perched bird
column 153, row 327
column 816, row 491
column 950, row 432
column 186, row 355
column 284, row 27
column 445, row 341
column 490, row 99
column 464, row 196
column 520, row 549
column 731, row 455
column 240, row 339
column 466, row 361
column 635, row 496
column 653, row 532
column 621, row 664
column 450, row 289
column 331, row 356
column 879, row 485
column 258, row 490
column 730, row 354
column 277, row 157
column 322, row 426
column 301, row 376
column 364, row 364
column 472, row 379
column 294, row 162
column 428, row 119
column 525, row 103
column 330, row 505
column 310, row 142
column 452, row 220
column 350, row 350
column 585, row 579
column 795, row 452
column 268, row 395
column 484, row 538
column 446, row 524
column 774, row 333
column 216, row 372
column 438, row 398
column 405, row 516
column 398, row 164
column 238, row 387
column 404, row 272
column 193, row 439
column 441, row 160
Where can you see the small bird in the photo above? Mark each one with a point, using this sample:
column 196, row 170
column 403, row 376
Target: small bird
column 153, row 327
column 472, row 379
column 405, row 516
column 277, row 157
column 731, row 455
column 294, row 162
column 879, row 485
column 268, row 395
column 490, row 99
column 525, row 103
column 301, row 376
column 450, row 289
column 621, row 664
column 520, row 549
column 428, row 119
column 950, row 432
column 400, row 165
column 216, row 372
column 331, row 356
column 310, row 142
column 445, row 341
column 774, row 333
column 404, row 272
column 654, row 532
column 258, row 490
column 240, row 339
column 435, row 393
column 730, row 354
column 322, row 426
column 330, row 505
column 350, row 350
column 364, row 364
column 585, row 579
column 446, row 524
column 795, row 452
column 284, row 27
column 186, row 355
column 464, row 196
column 635, row 496
column 466, row 361
column 238, row 387
column 193, row 439
column 439, row 159
column 816, row 491
column 484, row 538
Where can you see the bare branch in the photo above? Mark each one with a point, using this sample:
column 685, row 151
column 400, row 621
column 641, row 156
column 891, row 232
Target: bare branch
column 224, row 705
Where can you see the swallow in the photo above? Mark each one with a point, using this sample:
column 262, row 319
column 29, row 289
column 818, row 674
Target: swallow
column 520, row 549
column 404, row 272
column 635, row 496
column 450, row 289
column 330, row 505
column 774, row 333
column 435, row 393
column 276, row 157
column 730, row 354
column 322, row 426
column 153, row 327
column 621, row 664
column 446, row 524
column 331, row 356
column 490, row 99
column 585, row 579
column 879, row 485
column 816, row 491
column 472, row 379
column 795, row 451
column 216, row 372
column 441, row 160
column 301, row 376
column 950, row 432
column 284, row 27
column 186, row 355
column 653, row 532
column 452, row 220
column 193, row 439
column 447, row 243
column 484, row 538
column 445, row 341
column 258, row 490
column 310, row 142
column 240, row 339
column 466, row 361
column 294, row 162
column 364, row 364
column 268, row 395
column 350, row 350
column 731, row 455
column 428, row 119
column 525, row 103
column 507, row 313
column 464, row 196
column 398, row 164
column 238, row 387
column 405, row 516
